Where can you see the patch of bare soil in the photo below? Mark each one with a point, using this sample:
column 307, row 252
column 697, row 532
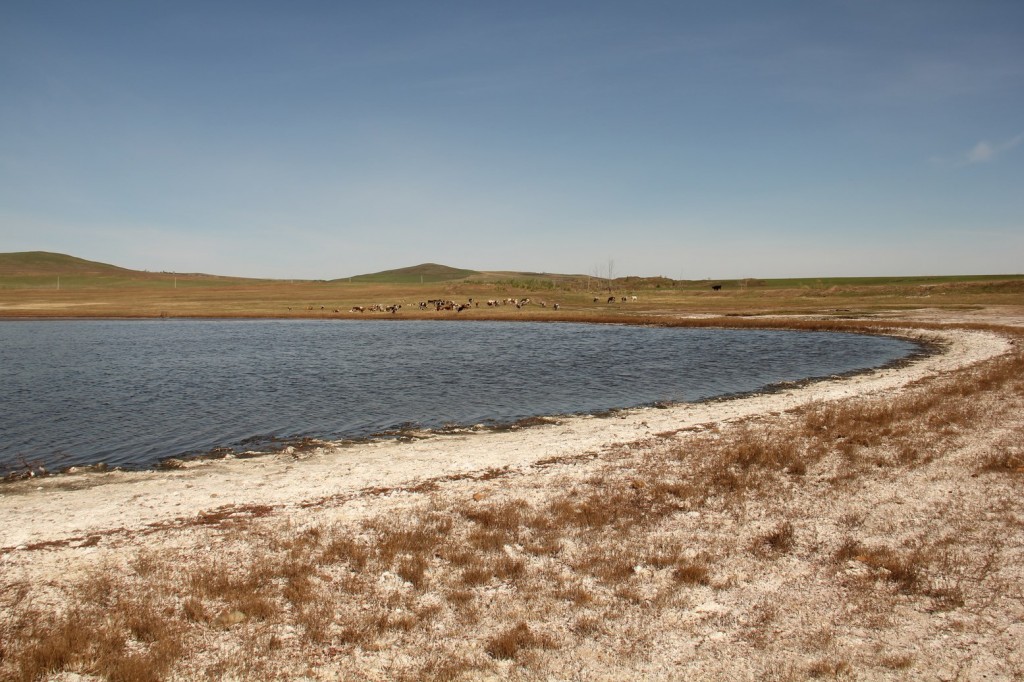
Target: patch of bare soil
column 866, row 527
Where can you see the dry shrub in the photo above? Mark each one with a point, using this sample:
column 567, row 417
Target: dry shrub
column 357, row 626
column 575, row 592
column 763, row 448
column 692, row 572
column 144, row 622
column 487, row 540
column 544, row 544
column 460, row 598
column 99, row 588
column 412, row 569
column 587, row 625
column 443, row 667
column 340, row 548
column 99, row 642
column 897, row 661
column 194, row 611
column 778, row 540
column 420, row 535
column 476, row 573
column 507, row 568
column 506, row 645
column 620, row 507
column 686, row 570
column 828, row 667
column 904, row 570
column 1003, row 459
column 316, row 618
column 299, row 586
column 610, row 565
column 54, row 645
column 507, row 516
column 480, row 570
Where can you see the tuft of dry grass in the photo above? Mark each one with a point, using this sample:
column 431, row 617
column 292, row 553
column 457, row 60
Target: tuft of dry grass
column 779, row 540
column 509, row 643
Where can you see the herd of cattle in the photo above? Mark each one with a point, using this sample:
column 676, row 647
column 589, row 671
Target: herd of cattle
column 439, row 304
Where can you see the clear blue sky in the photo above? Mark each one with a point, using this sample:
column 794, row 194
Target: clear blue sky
column 684, row 139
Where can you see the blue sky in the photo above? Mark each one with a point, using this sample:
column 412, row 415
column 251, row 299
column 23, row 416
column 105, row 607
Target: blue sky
column 685, row 139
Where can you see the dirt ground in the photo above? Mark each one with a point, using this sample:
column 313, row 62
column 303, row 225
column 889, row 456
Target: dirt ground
column 866, row 527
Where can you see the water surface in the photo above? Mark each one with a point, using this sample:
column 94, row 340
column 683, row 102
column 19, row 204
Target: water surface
column 129, row 393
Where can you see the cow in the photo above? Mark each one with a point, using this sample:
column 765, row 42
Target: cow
column 611, row 299
column 716, row 287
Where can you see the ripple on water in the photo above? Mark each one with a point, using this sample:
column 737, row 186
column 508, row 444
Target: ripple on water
column 131, row 392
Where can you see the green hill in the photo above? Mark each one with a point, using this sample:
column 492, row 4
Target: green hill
column 41, row 263
column 426, row 272
column 46, row 270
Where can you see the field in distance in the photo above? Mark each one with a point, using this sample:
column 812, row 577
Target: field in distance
column 41, row 284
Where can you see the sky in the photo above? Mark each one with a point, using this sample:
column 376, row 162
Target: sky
column 691, row 140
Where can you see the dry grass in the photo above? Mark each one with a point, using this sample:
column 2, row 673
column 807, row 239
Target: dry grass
column 650, row 543
column 158, row 295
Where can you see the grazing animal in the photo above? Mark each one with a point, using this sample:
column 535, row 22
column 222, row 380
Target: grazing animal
column 716, row 287
column 633, row 298
column 611, row 299
column 555, row 306
column 595, row 299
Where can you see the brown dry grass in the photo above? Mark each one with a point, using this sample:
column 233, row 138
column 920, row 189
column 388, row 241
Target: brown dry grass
column 517, row 584
column 154, row 296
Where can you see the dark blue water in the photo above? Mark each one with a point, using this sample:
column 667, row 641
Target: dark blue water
column 129, row 393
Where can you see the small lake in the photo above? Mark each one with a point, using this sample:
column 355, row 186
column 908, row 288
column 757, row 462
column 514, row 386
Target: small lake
column 129, row 393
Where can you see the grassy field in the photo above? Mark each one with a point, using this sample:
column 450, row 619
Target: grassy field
column 38, row 284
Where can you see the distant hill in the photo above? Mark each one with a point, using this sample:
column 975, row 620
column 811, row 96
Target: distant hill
column 426, row 272
column 38, row 263
column 33, row 269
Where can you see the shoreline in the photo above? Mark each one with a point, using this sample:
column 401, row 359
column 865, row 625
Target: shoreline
column 73, row 507
column 37, row 468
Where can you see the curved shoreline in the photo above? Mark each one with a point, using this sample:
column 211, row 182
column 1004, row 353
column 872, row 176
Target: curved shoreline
column 67, row 509
column 255, row 444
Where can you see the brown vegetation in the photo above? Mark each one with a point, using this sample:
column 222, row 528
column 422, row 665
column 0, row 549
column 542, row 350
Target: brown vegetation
column 518, row 582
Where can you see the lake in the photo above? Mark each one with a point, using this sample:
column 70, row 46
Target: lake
column 129, row 393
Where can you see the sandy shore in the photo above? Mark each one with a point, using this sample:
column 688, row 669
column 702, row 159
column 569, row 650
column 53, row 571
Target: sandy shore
column 72, row 507
column 894, row 557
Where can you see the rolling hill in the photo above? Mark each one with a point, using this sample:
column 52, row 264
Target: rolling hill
column 43, row 263
column 30, row 269
column 425, row 272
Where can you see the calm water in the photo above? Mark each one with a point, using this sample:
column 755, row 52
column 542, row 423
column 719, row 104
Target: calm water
column 131, row 392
